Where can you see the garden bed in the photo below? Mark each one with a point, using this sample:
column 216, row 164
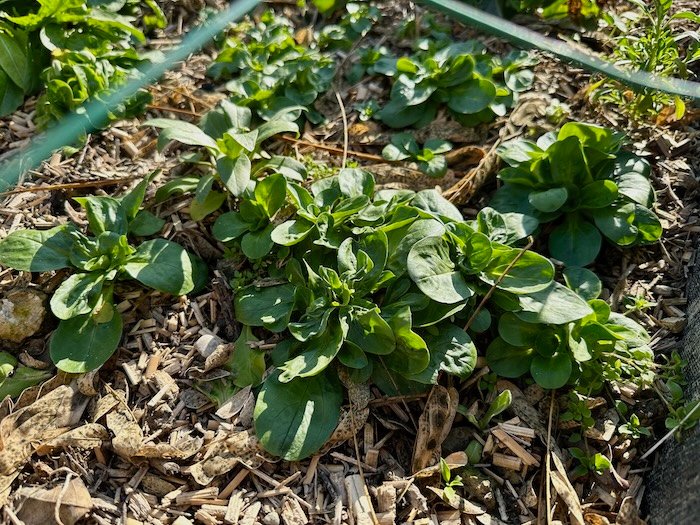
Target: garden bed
column 163, row 430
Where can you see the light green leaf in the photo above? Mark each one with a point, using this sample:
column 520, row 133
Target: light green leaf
column 181, row 131
column 246, row 364
column 548, row 200
column 77, row 295
column 235, row 173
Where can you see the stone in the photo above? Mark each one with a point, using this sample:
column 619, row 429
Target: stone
column 21, row 314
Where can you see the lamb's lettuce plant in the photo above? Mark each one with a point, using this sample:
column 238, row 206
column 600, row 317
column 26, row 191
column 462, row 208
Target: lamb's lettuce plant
column 373, row 285
column 474, row 86
column 430, row 158
column 271, row 72
column 581, row 180
column 231, row 157
column 571, row 337
column 90, row 326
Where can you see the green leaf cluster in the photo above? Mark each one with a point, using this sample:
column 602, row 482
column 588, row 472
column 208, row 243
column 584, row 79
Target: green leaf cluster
column 430, row 158
column 74, row 49
column 90, row 326
column 373, row 285
column 232, row 159
column 565, row 334
column 580, row 180
column 474, row 86
column 270, row 72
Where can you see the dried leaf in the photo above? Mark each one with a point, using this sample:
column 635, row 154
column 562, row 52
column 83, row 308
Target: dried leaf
column 433, row 426
column 37, row 504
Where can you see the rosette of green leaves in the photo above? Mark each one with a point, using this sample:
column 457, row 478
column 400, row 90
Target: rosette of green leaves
column 86, row 47
column 232, row 146
column 430, row 158
column 90, row 326
column 373, row 298
column 565, row 334
column 356, row 22
column 474, row 86
column 581, row 180
column 270, row 72
column 252, row 222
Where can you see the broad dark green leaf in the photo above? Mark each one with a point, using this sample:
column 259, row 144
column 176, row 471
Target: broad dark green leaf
column 37, row 250
column 583, row 281
column 617, row 224
column 451, row 351
column 145, row 224
column 229, row 226
column 256, row 245
column 370, row 332
column 551, row 372
column 598, row 194
column 575, row 242
column 472, row 96
column 508, row 360
column 295, row 419
column 270, row 307
column 530, row 273
column 80, row 345
column 548, row 200
column 162, row 265
column 271, row 193
column 317, row 353
column 556, row 304
column 13, row 60
column 292, row 232
column 104, row 214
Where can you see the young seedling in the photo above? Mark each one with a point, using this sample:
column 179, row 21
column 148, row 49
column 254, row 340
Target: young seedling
column 430, row 158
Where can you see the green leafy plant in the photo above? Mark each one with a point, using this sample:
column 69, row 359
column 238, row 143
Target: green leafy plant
column 429, row 158
column 231, row 155
column 474, row 86
column 649, row 43
column 270, row 72
column 370, row 286
column 356, row 21
column 90, row 326
column 83, row 48
column 14, row 377
column 449, row 492
column 252, row 224
column 497, row 406
column 597, row 462
column 578, row 11
column 582, row 181
column 634, row 428
column 573, row 338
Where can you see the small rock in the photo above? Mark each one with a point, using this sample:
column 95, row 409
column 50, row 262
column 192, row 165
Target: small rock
column 271, row 518
column 206, row 345
column 21, row 315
